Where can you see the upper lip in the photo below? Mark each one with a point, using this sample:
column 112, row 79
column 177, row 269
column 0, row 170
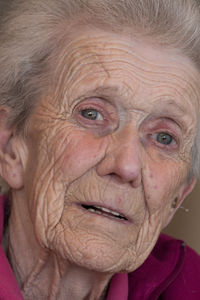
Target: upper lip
column 116, row 212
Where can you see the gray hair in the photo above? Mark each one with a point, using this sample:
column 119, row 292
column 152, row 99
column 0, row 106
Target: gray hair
column 29, row 40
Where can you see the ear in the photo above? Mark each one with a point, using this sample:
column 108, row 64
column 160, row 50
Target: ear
column 184, row 191
column 11, row 168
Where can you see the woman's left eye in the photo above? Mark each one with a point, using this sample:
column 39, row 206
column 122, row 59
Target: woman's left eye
column 91, row 114
column 164, row 138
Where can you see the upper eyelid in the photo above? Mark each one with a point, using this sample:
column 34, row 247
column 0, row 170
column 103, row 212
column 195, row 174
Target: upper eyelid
column 87, row 105
column 168, row 124
column 83, row 99
column 101, row 105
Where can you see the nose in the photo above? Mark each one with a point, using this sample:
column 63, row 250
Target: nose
column 123, row 158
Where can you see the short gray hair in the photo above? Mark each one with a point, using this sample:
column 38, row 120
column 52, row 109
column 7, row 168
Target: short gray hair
column 29, row 38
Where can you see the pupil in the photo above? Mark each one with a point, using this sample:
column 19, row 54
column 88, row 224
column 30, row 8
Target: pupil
column 89, row 114
column 164, row 138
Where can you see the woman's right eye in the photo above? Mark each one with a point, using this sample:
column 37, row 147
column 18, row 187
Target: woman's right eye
column 96, row 114
column 91, row 114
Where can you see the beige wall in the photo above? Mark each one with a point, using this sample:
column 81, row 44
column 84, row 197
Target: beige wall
column 186, row 225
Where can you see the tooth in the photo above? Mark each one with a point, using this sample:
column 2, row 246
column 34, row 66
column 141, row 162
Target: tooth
column 99, row 207
column 106, row 210
column 92, row 210
column 103, row 209
column 115, row 213
column 110, row 211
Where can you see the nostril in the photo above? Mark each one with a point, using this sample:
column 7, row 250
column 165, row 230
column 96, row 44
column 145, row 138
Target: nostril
column 126, row 175
column 117, row 178
column 112, row 174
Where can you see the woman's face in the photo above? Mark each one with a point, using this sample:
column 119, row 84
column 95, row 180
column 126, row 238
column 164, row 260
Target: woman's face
column 109, row 150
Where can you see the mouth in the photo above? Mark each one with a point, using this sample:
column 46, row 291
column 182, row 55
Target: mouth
column 104, row 211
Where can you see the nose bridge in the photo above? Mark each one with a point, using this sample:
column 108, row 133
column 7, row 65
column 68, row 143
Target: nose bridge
column 123, row 157
column 127, row 149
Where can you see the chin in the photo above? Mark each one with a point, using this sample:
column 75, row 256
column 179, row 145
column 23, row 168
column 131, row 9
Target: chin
column 98, row 247
column 101, row 265
column 100, row 258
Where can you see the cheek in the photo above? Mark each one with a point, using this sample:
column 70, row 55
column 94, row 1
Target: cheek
column 162, row 183
column 80, row 155
column 63, row 163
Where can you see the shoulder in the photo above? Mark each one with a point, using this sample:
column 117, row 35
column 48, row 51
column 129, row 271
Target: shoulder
column 186, row 284
column 172, row 270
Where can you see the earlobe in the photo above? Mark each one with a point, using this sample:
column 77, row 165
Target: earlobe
column 11, row 169
column 186, row 190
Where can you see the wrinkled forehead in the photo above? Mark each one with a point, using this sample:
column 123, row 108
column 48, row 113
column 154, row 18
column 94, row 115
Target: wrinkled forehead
column 93, row 58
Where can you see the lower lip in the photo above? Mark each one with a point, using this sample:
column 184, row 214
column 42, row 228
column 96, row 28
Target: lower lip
column 108, row 217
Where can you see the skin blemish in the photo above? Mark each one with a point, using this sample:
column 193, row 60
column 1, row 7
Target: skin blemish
column 119, row 201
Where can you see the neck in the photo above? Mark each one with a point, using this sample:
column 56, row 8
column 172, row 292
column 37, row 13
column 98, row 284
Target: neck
column 40, row 273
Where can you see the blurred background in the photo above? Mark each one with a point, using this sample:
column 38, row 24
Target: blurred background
column 186, row 225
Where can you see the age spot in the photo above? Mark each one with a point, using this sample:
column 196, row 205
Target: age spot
column 119, row 201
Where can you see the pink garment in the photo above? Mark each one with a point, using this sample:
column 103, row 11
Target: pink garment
column 171, row 272
column 9, row 289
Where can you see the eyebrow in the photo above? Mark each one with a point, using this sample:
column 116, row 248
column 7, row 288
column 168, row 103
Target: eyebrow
column 109, row 92
column 167, row 107
column 171, row 105
column 171, row 109
column 106, row 91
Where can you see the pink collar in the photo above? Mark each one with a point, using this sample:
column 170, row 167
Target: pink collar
column 118, row 289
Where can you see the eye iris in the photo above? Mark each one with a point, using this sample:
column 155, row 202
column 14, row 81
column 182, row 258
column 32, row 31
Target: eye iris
column 164, row 138
column 90, row 114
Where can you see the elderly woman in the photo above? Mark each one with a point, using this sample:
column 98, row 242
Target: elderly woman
column 99, row 145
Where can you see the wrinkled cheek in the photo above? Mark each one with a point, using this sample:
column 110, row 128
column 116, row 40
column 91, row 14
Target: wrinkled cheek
column 48, row 209
column 161, row 186
column 81, row 157
column 45, row 194
column 56, row 172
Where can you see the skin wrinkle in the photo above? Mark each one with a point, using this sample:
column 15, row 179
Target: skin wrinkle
column 79, row 164
column 70, row 74
column 117, row 48
column 47, row 178
column 56, row 280
column 100, row 48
